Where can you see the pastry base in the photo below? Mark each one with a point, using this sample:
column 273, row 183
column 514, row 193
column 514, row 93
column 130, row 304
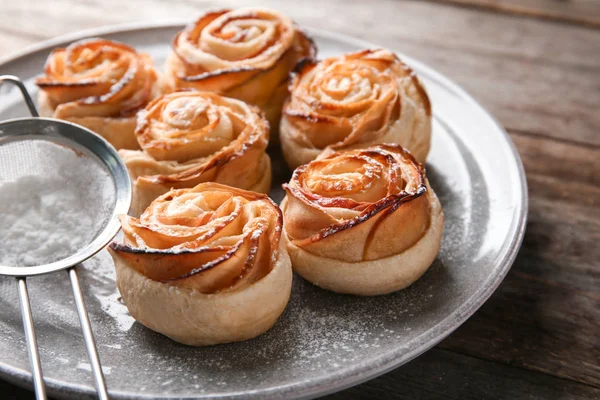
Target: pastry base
column 264, row 183
column 370, row 278
column 199, row 319
column 294, row 153
column 117, row 131
column 272, row 112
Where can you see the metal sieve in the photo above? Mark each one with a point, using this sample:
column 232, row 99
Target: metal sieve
column 19, row 156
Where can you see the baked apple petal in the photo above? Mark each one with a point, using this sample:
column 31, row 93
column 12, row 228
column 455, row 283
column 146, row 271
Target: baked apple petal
column 161, row 265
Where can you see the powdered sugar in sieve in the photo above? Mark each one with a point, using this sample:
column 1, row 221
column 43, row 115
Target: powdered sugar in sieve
column 55, row 198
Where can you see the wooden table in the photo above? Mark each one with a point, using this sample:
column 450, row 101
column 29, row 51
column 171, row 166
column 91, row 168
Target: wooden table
column 535, row 64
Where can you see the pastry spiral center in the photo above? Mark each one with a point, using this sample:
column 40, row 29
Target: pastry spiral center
column 96, row 61
column 187, row 113
column 192, row 214
column 235, row 38
column 245, row 31
column 191, row 125
column 191, row 205
column 193, row 122
column 343, row 88
column 347, row 88
column 353, row 177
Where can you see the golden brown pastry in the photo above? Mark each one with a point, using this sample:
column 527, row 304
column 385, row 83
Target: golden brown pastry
column 99, row 84
column 205, row 265
column 354, row 101
column 362, row 221
column 189, row 137
column 246, row 54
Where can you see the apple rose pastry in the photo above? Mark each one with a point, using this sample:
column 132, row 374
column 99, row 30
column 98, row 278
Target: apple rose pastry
column 101, row 85
column 189, row 137
column 362, row 221
column 353, row 101
column 246, row 54
column 205, row 265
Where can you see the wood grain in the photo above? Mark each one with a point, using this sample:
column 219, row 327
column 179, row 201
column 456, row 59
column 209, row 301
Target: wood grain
column 444, row 375
column 546, row 314
column 582, row 12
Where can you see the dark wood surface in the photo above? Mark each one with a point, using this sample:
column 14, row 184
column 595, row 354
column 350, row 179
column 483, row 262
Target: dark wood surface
column 535, row 64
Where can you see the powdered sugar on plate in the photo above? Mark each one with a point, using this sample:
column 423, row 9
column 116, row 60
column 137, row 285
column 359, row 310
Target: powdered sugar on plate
column 52, row 208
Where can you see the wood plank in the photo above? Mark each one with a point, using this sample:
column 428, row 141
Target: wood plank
column 12, row 392
column 535, row 76
column 443, row 375
column 585, row 12
column 545, row 316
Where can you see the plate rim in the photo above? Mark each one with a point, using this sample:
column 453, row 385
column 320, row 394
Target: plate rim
column 358, row 373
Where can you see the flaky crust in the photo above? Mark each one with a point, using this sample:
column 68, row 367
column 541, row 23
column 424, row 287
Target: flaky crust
column 189, row 137
column 99, row 84
column 354, row 101
column 246, row 54
column 205, row 265
column 363, row 222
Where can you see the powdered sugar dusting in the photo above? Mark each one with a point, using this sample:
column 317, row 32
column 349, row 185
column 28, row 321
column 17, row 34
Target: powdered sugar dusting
column 103, row 272
column 45, row 214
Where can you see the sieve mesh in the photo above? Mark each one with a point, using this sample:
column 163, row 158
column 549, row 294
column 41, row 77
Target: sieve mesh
column 55, row 198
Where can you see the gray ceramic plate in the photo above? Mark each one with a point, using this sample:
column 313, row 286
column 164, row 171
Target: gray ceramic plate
column 323, row 342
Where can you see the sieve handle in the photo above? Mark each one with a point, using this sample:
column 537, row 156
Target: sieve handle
column 17, row 82
column 32, row 347
column 88, row 335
